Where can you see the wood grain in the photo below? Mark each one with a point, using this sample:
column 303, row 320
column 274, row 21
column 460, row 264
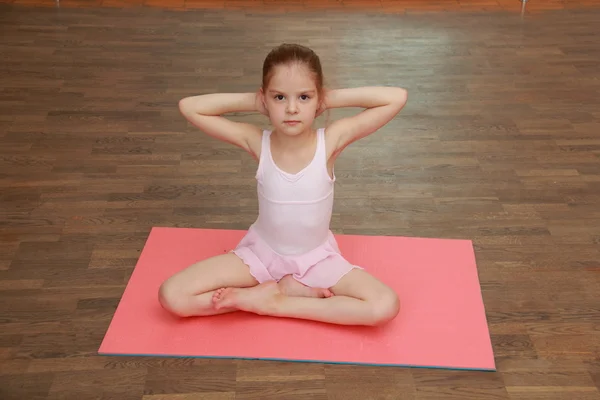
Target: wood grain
column 380, row 6
column 498, row 144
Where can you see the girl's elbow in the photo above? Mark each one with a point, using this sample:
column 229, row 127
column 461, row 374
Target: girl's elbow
column 184, row 105
column 397, row 97
column 403, row 95
column 189, row 107
column 401, row 98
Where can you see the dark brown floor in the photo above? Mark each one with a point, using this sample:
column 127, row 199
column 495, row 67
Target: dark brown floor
column 500, row 143
column 383, row 6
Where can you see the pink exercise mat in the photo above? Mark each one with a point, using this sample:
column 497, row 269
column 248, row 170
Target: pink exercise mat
column 442, row 322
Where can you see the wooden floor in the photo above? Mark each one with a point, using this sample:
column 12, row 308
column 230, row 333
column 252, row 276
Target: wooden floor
column 386, row 6
column 500, row 143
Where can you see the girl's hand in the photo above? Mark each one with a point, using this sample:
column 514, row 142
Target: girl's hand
column 260, row 104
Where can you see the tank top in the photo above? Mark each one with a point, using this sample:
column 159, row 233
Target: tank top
column 294, row 210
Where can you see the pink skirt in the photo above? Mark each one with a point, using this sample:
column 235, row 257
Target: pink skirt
column 322, row 267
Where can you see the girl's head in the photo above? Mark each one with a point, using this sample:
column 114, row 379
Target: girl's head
column 292, row 87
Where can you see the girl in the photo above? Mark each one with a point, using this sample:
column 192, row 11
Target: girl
column 288, row 264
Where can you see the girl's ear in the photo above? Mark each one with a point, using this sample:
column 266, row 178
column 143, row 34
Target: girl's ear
column 262, row 97
column 261, row 103
column 322, row 102
column 323, row 96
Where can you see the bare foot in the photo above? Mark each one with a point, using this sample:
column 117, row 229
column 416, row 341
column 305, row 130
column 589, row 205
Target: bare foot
column 217, row 298
column 291, row 287
column 260, row 299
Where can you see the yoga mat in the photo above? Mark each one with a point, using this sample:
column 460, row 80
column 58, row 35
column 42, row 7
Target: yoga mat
column 442, row 322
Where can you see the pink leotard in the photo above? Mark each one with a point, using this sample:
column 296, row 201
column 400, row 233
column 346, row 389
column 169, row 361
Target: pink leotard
column 291, row 235
column 294, row 209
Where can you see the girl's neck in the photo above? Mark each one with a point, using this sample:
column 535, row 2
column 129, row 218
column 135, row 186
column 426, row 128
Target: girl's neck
column 292, row 143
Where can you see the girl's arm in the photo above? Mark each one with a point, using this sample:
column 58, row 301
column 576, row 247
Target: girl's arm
column 381, row 103
column 205, row 113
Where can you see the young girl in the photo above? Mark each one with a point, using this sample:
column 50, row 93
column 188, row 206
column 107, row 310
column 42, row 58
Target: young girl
column 288, row 264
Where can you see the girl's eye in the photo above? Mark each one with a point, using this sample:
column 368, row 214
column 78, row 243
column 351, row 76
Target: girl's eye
column 303, row 97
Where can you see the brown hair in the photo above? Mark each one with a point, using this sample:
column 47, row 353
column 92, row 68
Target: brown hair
column 292, row 54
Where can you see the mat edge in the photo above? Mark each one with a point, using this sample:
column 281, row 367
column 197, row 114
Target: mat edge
column 388, row 365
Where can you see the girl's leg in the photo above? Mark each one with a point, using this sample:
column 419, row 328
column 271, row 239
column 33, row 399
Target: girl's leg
column 359, row 299
column 190, row 291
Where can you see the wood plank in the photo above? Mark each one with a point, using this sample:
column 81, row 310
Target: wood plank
column 498, row 145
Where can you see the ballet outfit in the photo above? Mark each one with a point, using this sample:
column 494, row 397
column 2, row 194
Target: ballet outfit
column 291, row 235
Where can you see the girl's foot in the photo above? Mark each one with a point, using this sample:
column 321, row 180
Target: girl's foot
column 291, row 287
column 260, row 299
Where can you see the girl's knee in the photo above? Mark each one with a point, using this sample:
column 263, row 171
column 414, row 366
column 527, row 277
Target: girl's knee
column 385, row 307
column 170, row 299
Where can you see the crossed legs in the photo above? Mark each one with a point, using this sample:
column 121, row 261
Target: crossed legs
column 224, row 284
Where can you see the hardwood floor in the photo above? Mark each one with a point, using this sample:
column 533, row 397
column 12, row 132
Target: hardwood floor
column 383, row 6
column 499, row 144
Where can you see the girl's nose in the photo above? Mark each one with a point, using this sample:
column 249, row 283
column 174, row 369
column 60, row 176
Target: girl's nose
column 291, row 107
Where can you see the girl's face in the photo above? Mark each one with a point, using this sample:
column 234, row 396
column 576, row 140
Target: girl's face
column 291, row 99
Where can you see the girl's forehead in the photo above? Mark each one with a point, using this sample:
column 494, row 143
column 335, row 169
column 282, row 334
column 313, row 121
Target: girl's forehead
column 292, row 79
column 294, row 72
